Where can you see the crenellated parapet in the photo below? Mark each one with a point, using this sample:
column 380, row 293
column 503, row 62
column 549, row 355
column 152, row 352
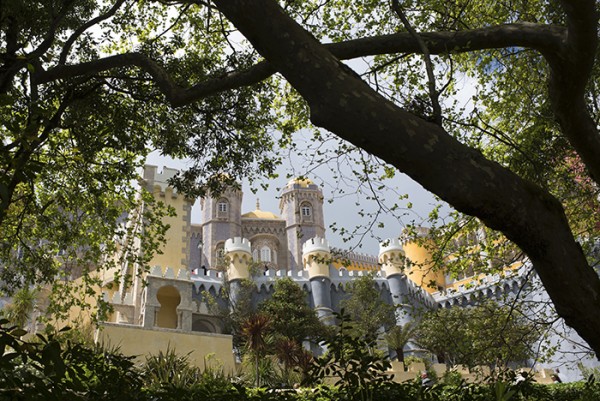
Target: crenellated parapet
column 417, row 293
column 392, row 257
column 498, row 287
column 118, row 298
column 238, row 244
column 170, row 273
column 159, row 180
column 316, row 256
column 414, row 232
column 350, row 260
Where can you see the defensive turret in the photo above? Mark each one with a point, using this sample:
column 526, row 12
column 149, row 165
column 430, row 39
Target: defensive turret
column 420, row 265
column 392, row 257
column 316, row 256
column 238, row 253
column 393, row 264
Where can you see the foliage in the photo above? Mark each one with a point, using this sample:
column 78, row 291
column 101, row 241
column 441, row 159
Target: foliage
column 256, row 331
column 366, row 307
column 398, row 336
column 51, row 369
column 589, row 373
column 288, row 315
column 487, row 334
column 86, row 87
column 233, row 312
column 100, row 373
column 21, row 306
column 350, row 359
column 291, row 316
column 44, row 368
column 169, row 370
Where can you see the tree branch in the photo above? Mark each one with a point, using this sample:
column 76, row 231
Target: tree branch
column 434, row 95
column 77, row 33
column 570, row 72
column 342, row 103
column 540, row 37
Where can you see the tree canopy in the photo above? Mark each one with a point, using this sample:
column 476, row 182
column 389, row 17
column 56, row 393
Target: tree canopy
column 486, row 334
column 291, row 316
column 367, row 310
column 86, row 88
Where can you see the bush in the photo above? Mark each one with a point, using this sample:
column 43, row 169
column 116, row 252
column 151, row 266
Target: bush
column 48, row 369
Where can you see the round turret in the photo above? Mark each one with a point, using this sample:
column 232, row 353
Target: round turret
column 238, row 252
column 315, row 256
column 421, row 269
column 391, row 257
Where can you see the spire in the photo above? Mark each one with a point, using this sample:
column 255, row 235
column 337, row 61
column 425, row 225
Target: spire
column 257, row 204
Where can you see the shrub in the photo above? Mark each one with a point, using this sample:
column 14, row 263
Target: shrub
column 46, row 369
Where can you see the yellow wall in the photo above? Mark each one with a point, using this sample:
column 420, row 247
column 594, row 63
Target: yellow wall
column 421, row 269
column 355, row 266
column 478, row 277
column 138, row 341
column 174, row 252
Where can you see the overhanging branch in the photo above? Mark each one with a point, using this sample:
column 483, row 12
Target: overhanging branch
column 544, row 38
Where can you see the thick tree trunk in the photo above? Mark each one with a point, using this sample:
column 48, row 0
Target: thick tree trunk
column 345, row 105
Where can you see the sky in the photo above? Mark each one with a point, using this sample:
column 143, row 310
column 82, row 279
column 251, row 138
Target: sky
column 347, row 202
column 341, row 208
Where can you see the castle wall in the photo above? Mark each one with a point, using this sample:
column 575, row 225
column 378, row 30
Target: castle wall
column 176, row 251
column 195, row 259
column 139, row 342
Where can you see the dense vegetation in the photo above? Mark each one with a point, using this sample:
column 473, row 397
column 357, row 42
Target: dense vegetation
column 55, row 368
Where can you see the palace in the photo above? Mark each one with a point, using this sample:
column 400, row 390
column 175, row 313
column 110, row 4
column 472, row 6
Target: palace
column 168, row 305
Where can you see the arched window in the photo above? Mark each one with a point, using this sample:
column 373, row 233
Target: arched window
column 168, row 298
column 223, row 208
column 220, row 250
column 219, row 258
column 306, row 211
column 265, row 254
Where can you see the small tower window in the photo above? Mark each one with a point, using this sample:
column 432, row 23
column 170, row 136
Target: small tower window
column 222, row 208
column 306, row 211
column 219, row 255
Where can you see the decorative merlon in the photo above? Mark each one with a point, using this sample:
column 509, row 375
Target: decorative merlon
column 116, row 299
column 238, row 244
column 390, row 245
column 182, row 273
column 408, row 235
column 156, row 271
column 154, row 178
column 169, row 273
column 316, row 244
column 128, row 300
